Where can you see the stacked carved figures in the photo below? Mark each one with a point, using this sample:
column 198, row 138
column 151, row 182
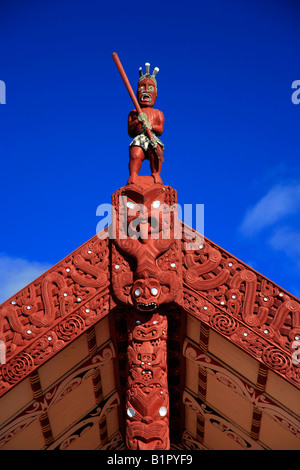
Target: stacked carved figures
column 146, row 268
column 146, row 274
column 147, row 400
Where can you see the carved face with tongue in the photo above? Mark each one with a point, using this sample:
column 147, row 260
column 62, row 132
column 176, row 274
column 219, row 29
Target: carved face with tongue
column 146, row 93
column 145, row 294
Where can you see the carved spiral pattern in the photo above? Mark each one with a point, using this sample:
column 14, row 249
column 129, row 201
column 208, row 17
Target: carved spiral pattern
column 224, row 323
column 276, row 359
column 106, row 354
column 247, row 276
column 73, row 325
column 292, row 306
column 191, row 276
column 18, row 367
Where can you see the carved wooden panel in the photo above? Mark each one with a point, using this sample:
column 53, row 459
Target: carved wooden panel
column 242, row 305
column 260, row 402
column 45, row 402
column 54, row 310
column 141, row 278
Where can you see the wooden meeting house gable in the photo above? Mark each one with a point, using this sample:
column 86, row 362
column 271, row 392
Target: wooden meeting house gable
column 149, row 341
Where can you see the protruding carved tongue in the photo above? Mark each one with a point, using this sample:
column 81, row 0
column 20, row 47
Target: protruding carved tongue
column 152, row 445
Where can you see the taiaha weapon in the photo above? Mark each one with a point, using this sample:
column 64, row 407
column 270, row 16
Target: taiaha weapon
column 154, row 144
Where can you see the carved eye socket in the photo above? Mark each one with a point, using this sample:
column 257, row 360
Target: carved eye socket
column 137, row 292
column 130, row 412
column 154, row 291
column 156, row 204
column 163, row 411
column 151, row 87
column 130, row 205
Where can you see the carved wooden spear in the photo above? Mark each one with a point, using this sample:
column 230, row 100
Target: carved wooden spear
column 117, row 61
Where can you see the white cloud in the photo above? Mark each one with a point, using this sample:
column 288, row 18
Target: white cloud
column 16, row 273
column 287, row 240
column 279, row 202
column 252, row 264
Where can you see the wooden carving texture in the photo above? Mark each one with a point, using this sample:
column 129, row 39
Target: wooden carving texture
column 54, row 310
column 43, row 403
column 242, row 305
column 147, row 399
column 146, row 276
column 147, row 273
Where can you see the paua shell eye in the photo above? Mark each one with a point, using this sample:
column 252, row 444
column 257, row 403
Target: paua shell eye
column 137, row 292
column 154, row 291
column 130, row 412
column 156, row 204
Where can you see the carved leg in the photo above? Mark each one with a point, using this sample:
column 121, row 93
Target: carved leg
column 147, row 398
column 136, row 157
column 155, row 166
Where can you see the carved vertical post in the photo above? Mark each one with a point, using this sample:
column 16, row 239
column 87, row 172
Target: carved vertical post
column 146, row 273
column 147, row 399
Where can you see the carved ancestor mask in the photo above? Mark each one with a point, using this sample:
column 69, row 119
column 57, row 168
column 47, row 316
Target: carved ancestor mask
column 146, row 92
column 145, row 294
column 152, row 219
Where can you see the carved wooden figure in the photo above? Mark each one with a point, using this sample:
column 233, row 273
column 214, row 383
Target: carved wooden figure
column 153, row 273
column 144, row 123
column 144, row 257
column 147, row 400
column 142, row 147
column 146, row 273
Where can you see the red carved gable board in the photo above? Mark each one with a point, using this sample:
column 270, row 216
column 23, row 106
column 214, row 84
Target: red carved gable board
column 45, row 316
column 244, row 306
column 233, row 373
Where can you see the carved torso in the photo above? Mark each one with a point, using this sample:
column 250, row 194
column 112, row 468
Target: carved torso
column 154, row 116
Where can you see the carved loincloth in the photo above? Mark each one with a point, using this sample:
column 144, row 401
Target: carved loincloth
column 143, row 141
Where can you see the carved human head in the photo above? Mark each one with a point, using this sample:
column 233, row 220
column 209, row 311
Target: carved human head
column 145, row 294
column 147, row 87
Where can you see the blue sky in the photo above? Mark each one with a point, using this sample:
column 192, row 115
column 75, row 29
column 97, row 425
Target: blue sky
column 231, row 129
